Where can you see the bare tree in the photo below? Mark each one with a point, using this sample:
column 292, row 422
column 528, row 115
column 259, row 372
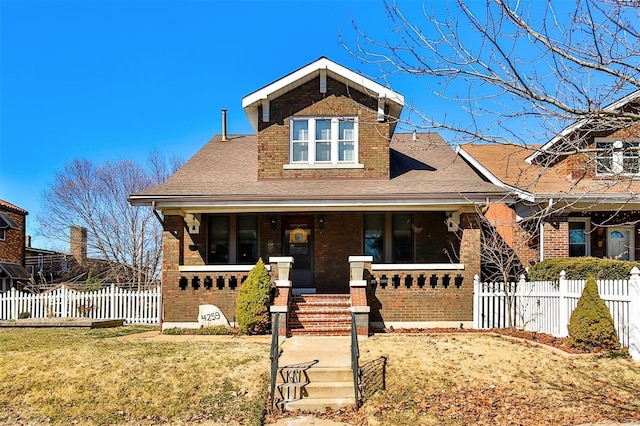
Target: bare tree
column 520, row 71
column 95, row 196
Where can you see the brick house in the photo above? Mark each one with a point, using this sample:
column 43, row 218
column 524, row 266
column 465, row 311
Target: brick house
column 13, row 220
column 324, row 189
column 587, row 197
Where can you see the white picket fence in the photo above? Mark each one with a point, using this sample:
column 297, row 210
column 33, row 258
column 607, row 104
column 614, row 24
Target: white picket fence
column 135, row 307
column 547, row 306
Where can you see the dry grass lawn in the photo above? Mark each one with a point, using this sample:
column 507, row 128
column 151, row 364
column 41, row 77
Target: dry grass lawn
column 65, row 376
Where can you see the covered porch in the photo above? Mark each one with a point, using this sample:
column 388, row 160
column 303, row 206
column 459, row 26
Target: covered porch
column 404, row 268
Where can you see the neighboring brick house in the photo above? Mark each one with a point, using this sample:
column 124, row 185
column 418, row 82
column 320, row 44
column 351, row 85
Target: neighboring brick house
column 325, row 178
column 588, row 198
column 13, row 221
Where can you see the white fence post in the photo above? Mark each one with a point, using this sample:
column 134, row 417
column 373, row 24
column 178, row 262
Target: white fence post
column 477, row 287
column 634, row 314
column 563, row 308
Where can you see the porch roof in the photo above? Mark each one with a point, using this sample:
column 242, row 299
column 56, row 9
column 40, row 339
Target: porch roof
column 425, row 171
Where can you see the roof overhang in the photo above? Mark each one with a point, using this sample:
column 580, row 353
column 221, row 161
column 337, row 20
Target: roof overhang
column 525, row 195
column 7, row 222
column 320, row 68
column 14, row 271
column 399, row 202
column 581, row 123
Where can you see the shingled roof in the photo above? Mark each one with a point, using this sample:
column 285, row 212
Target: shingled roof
column 508, row 164
column 425, row 170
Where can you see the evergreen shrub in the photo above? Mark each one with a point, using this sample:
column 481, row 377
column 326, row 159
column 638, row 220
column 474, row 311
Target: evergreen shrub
column 591, row 325
column 579, row 268
column 254, row 299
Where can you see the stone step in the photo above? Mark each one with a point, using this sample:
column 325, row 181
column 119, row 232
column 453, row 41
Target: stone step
column 328, row 309
column 319, row 404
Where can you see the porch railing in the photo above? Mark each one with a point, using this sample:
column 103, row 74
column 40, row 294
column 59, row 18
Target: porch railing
column 417, row 274
column 274, row 353
column 355, row 357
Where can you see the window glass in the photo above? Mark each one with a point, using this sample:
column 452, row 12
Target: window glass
column 373, row 236
column 323, row 130
column 247, row 239
column 300, row 151
column 300, row 130
column 323, row 151
column 577, row 239
column 219, row 239
column 346, row 131
column 630, row 163
column 402, row 241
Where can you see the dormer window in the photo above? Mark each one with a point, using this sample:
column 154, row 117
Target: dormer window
column 617, row 157
column 323, row 142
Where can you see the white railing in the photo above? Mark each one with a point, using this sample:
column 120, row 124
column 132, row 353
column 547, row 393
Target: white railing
column 546, row 307
column 135, row 307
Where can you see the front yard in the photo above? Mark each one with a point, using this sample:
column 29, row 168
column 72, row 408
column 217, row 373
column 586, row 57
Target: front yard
column 65, row 376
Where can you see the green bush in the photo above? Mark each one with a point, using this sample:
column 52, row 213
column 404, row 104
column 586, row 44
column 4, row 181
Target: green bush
column 254, row 299
column 218, row 330
column 591, row 325
column 24, row 315
column 579, row 268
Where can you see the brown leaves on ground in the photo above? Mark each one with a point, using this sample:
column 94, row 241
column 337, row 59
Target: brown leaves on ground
column 468, row 378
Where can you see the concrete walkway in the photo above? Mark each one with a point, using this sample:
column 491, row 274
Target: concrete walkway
column 328, row 351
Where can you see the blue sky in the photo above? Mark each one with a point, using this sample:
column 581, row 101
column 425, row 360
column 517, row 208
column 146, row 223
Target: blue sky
column 108, row 80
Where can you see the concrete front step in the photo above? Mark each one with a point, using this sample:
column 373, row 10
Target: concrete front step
column 319, row 404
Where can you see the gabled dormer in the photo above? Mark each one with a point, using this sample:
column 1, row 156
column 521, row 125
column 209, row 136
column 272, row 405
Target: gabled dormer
column 604, row 145
column 323, row 121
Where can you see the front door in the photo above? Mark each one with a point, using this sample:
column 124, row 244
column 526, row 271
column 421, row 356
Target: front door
column 298, row 243
column 619, row 244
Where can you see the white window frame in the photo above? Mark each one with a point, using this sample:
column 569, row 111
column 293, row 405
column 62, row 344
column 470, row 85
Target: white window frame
column 615, row 154
column 587, row 234
column 335, row 141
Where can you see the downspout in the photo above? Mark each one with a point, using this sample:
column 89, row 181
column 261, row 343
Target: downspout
column 161, row 302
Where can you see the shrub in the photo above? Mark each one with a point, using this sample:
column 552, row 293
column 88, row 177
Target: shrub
column 254, row 298
column 24, row 315
column 591, row 325
column 580, row 268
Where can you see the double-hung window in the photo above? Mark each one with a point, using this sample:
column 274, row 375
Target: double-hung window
column 324, row 141
column 617, row 157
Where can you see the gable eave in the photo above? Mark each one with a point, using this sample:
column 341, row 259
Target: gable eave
column 252, row 101
column 581, row 123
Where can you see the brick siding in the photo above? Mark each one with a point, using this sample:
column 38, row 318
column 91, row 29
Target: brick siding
column 12, row 247
column 340, row 100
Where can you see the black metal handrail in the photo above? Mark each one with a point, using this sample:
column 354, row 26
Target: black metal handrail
column 274, row 353
column 355, row 356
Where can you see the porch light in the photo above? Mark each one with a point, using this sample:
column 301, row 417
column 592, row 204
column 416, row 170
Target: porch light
column 321, row 221
column 274, row 223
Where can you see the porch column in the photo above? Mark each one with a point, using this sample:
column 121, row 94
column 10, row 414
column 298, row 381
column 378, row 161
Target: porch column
column 358, row 291
column 283, row 291
column 172, row 258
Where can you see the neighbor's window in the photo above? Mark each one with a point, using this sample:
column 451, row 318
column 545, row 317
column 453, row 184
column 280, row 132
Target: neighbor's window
column 324, row 140
column 578, row 238
column 617, row 157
